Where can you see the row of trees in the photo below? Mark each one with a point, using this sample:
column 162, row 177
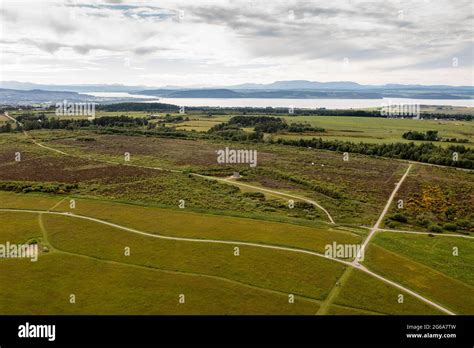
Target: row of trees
column 431, row 135
column 42, row 122
column 455, row 156
column 266, row 124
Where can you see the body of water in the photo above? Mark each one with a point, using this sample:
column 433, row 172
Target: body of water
column 311, row 103
column 119, row 95
column 287, row 103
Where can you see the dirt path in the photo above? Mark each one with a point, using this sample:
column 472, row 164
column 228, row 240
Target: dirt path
column 381, row 217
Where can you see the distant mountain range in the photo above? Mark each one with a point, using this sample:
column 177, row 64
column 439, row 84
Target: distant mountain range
column 25, row 92
column 26, row 86
column 277, row 85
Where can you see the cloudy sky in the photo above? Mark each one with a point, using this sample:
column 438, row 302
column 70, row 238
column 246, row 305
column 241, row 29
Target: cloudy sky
column 231, row 42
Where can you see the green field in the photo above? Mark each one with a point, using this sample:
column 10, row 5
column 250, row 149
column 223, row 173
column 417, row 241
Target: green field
column 86, row 258
column 131, row 237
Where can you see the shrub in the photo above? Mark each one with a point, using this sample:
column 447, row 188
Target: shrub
column 464, row 224
column 435, row 228
column 450, row 227
column 258, row 195
column 399, row 217
column 391, row 224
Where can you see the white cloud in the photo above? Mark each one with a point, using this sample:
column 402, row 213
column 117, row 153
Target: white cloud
column 224, row 42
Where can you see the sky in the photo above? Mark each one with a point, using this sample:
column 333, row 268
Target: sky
column 219, row 42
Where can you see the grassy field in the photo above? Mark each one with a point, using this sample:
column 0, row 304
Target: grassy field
column 434, row 252
column 149, row 280
column 169, row 222
column 145, row 194
column 382, row 130
column 272, row 269
column 357, row 129
column 363, row 291
column 427, row 281
column 109, row 288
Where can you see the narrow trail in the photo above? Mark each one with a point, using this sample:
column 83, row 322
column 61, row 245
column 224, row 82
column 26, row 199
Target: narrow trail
column 381, row 217
column 257, row 245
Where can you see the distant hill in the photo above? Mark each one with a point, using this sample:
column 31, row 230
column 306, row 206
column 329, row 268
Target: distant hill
column 21, row 92
column 304, row 94
column 27, row 86
column 12, row 96
column 200, row 93
column 301, row 84
column 277, row 85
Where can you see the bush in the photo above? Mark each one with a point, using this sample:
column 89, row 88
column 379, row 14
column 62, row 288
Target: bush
column 391, row 224
column 435, row 228
column 399, row 217
column 257, row 195
column 464, row 224
column 85, row 139
column 450, row 227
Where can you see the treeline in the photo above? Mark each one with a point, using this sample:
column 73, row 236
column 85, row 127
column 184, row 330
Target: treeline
column 285, row 111
column 40, row 121
column 150, row 107
column 25, row 187
column 431, row 135
column 455, row 156
column 263, row 124
column 7, row 128
column 233, row 133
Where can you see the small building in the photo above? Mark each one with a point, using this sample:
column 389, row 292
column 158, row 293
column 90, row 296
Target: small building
column 236, row 175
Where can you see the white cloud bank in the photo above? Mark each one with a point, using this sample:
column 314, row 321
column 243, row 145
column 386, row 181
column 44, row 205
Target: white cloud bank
column 230, row 42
